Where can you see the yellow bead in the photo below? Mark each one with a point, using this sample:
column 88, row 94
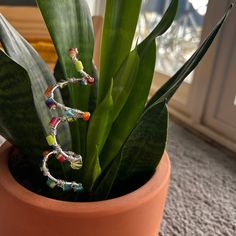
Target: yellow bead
column 50, row 140
column 71, row 119
column 79, row 66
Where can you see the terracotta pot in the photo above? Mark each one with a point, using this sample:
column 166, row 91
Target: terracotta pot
column 24, row 213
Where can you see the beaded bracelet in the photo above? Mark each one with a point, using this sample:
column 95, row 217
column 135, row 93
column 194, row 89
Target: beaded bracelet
column 70, row 115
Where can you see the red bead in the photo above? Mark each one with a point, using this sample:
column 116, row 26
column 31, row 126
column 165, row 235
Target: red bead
column 54, row 121
column 90, row 80
column 61, row 158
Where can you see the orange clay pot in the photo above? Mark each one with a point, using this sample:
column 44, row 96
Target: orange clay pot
column 24, row 213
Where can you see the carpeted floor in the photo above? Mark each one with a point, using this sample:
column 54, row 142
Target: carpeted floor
column 202, row 193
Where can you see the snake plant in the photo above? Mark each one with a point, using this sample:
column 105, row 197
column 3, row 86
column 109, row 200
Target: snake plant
column 126, row 136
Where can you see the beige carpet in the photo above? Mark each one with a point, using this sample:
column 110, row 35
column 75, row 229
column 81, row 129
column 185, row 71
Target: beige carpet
column 202, row 194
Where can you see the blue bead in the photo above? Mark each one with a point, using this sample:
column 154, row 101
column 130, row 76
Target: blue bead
column 70, row 113
column 82, row 82
column 78, row 188
column 66, row 187
column 50, row 103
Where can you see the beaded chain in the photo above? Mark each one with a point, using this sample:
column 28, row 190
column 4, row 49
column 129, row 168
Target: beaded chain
column 70, row 115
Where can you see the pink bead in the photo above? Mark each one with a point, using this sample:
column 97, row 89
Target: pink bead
column 54, row 121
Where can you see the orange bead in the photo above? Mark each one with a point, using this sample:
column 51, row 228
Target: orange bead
column 48, row 91
column 86, row 116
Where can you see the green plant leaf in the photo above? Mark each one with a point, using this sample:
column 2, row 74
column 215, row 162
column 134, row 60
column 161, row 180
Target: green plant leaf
column 124, row 124
column 124, row 81
column 98, row 130
column 92, row 170
column 105, row 181
column 133, row 108
column 19, row 122
column 143, row 149
column 70, row 25
column 169, row 88
column 40, row 76
column 59, row 76
column 119, row 27
column 94, row 89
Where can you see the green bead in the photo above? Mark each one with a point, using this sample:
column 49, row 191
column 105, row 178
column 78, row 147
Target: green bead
column 50, row 140
column 51, row 183
column 79, row 66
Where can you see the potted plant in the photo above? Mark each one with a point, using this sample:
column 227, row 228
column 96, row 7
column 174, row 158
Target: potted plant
column 105, row 176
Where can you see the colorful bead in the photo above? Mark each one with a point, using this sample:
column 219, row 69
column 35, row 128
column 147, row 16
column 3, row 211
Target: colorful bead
column 71, row 119
column 90, row 80
column 54, row 121
column 72, row 52
column 78, row 65
column 50, row 103
column 48, row 91
column 70, row 113
column 78, row 188
column 83, row 82
column 66, row 187
column 76, row 165
column 86, row 116
column 50, row 140
column 61, row 158
column 51, row 183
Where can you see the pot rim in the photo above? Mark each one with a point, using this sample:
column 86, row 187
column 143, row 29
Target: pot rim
column 120, row 204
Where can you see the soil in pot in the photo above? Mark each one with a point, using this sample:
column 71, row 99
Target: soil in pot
column 26, row 171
